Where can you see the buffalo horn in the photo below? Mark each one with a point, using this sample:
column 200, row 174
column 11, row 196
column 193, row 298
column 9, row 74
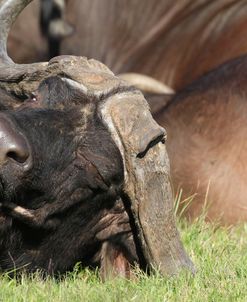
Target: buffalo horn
column 145, row 83
column 147, row 188
column 15, row 78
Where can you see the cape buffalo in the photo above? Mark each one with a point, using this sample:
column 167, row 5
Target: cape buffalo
column 84, row 174
column 175, row 43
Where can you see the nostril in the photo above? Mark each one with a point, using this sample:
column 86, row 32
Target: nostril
column 19, row 157
column 13, row 145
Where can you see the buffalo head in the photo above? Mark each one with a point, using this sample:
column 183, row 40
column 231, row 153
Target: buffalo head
column 84, row 174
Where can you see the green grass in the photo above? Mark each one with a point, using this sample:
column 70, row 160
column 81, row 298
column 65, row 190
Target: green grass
column 220, row 256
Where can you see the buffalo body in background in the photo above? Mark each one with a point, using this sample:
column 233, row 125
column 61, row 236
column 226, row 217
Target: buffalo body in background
column 207, row 134
column 173, row 42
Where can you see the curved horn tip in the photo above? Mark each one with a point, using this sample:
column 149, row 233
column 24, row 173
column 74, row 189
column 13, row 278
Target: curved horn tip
column 146, row 83
column 9, row 11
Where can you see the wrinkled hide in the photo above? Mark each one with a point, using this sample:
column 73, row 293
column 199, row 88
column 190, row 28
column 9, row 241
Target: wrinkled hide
column 72, row 183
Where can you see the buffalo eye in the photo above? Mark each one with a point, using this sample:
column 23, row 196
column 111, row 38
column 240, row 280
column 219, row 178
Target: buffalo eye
column 33, row 97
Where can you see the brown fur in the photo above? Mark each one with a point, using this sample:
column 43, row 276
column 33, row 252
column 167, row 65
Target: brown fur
column 207, row 142
column 25, row 42
column 172, row 41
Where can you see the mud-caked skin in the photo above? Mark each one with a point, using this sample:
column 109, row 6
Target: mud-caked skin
column 70, row 183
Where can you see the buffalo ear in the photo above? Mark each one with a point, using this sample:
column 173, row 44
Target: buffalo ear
column 147, row 182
